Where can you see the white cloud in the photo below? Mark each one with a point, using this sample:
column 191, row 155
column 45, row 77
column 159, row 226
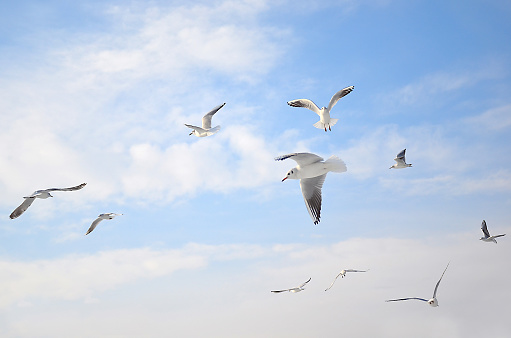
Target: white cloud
column 494, row 119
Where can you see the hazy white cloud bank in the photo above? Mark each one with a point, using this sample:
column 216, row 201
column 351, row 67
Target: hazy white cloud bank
column 234, row 298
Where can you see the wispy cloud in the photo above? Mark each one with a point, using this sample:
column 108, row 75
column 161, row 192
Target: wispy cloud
column 494, row 119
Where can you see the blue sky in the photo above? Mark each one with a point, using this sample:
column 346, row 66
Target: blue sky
column 99, row 92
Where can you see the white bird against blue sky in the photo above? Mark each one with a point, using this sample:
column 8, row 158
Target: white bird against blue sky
column 342, row 274
column 324, row 113
column 311, row 171
column 400, row 161
column 206, row 129
column 487, row 237
column 432, row 301
column 101, row 217
column 43, row 194
column 294, row 290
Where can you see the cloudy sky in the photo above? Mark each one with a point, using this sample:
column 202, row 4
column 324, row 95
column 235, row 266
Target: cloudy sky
column 99, row 92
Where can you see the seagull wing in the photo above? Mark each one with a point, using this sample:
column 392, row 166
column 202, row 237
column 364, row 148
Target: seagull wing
column 485, row 229
column 278, row 291
column 301, row 286
column 311, row 191
column 337, row 96
column 206, row 120
column 438, row 283
column 93, row 225
column 301, row 158
column 499, row 235
column 399, row 299
column 305, row 103
column 22, row 208
column 199, row 129
column 333, row 282
column 78, row 187
column 351, row 270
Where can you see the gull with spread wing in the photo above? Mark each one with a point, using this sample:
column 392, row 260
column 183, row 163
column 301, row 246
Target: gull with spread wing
column 101, row 217
column 487, row 237
column 433, row 301
column 311, row 171
column 324, row 113
column 294, row 290
column 43, row 194
column 342, row 274
column 400, row 161
column 206, row 129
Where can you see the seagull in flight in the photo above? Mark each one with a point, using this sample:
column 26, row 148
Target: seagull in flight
column 101, row 217
column 433, row 301
column 294, row 290
column 342, row 274
column 206, row 129
column 324, row 113
column 400, row 161
column 487, row 237
column 39, row 194
column 311, row 171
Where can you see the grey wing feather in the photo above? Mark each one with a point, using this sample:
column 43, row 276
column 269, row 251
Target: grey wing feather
column 301, row 158
column 93, row 225
column 278, row 291
column 396, row 300
column 22, row 208
column 78, row 187
column 499, row 235
column 337, row 96
column 199, row 129
column 333, row 282
column 351, row 270
column 485, row 229
column 305, row 103
column 301, row 286
column 206, row 120
column 311, row 191
column 438, row 283
column 401, row 154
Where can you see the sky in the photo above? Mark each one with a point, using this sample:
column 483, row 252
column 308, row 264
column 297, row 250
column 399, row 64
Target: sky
column 99, row 92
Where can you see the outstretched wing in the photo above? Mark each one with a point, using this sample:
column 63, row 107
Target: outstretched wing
column 438, row 283
column 206, row 120
column 338, row 95
column 311, row 191
column 278, row 291
column 301, row 286
column 199, row 129
column 301, row 158
column 399, row 299
column 485, row 229
column 328, row 288
column 78, row 187
column 496, row 236
column 22, row 208
column 93, row 225
column 351, row 270
column 305, row 103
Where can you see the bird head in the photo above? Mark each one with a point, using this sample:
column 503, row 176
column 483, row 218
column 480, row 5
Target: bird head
column 433, row 302
column 290, row 174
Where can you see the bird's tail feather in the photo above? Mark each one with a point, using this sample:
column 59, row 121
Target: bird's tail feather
column 333, row 122
column 213, row 130
column 336, row 164
column 319, row 125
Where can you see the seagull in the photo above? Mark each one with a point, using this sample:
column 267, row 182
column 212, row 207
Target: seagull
column 39, row 194
column 400, row 161
column 294, row 290
column 311, row 171
column 206, row 129
column 342, row 274
column 324, row 113
column 99, row 219
column 433, row 301
column 487, row 237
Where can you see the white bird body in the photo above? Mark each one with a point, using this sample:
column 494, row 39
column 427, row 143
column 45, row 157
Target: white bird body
column 293, row 290
column 487, row 237
column 42, row 194
column 324, row 113
column 400, row 161
column 432, row 301
column 101, row 217
column 206, row 129
column 311, row 171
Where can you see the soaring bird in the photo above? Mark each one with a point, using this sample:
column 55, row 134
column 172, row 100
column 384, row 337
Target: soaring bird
column 400, row 161
column 206, row 129
column 294, row 290
column 99, row 219
column 342, row 274
column 44, row 194
column 311, row 171
column 487, row 237
column 433, row 301
column 324, row 113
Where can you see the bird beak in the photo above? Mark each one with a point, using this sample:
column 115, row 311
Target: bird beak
column 190, row 133
column 285, row 178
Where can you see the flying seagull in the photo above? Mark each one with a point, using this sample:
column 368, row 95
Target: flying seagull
column 400, row 161
column 342, row 274
column 294, row 290
column 324, row 113
column 99, row 219
column 311, row 171
column 433, row 301
column 39, row 194
column 206, row 129
column 487, row 237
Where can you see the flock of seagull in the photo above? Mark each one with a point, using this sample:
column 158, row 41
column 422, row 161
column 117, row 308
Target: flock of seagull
column 311, row 170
